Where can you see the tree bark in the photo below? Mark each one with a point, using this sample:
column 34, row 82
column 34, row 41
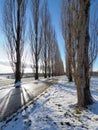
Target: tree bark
column 36, row 55
column 80, row 96
column 18, row 62
column 36, row 67
column 87, row 93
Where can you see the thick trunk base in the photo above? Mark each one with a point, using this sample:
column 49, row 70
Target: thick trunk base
column 45, row 76
column 18, row 78
column 70, row 79
column 36, row 77
column 88, row 98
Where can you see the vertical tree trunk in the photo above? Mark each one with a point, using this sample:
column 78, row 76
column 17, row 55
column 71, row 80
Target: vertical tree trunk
column 69, row 66
column 45, row 56
column 52, row 69
column 80, row 96
column 88, row 97
column 36, row 67
column 36, row 56
column 83, row 85
column 45, row 75
column 18, row 71
column 49, row 65
column 69, row 73
column 18, row 62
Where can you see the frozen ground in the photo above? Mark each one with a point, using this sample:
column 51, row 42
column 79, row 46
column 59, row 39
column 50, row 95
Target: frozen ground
column 6, row 82
column 54, row 110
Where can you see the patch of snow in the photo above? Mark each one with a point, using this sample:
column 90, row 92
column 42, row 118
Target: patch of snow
column 55, row 110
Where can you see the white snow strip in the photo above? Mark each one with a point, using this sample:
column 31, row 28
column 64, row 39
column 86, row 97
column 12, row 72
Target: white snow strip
column 55, row 110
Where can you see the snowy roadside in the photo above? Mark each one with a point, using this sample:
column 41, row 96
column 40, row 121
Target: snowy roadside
column 54, row 110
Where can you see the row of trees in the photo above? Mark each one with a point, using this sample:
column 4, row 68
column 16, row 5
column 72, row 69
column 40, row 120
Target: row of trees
column 43, row 42
column 44, row 46
column 81, row 37
column 79, row 34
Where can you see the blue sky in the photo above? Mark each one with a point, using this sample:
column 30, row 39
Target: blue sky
column 54, row 7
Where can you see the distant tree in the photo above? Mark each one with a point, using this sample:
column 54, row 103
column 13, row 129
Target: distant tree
column 45, row 19
column 35, row 35
column 14, row 29
column 51, row 62
column 49, row 39
column 58, row 67
column 66, row 32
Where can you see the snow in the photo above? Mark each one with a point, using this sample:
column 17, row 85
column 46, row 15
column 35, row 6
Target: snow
column 55, row 110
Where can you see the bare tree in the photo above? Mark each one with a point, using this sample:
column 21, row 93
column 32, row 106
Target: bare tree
column 55, row 64
column 82, row 48
column 49, row 40
column 45, row 18
column 35, row 35
column 58, row 63
column 66, row 32
column 14, row 29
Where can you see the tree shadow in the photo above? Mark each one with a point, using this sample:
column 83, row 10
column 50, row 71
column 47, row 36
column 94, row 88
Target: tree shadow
column 70, row 87
column 94, row 107
column 13, row 100
column 10, row 103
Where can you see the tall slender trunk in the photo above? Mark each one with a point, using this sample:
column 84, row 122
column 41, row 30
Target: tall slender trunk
column 69, row 74
column 69, row 67
column 45, row 74
column 88, row 97
column 18, row 56
column 18, row 71
column 52, row 68
column 45, row 58
column 36, row 67
column 49, row 66
column 36, row 48
column 36, row 58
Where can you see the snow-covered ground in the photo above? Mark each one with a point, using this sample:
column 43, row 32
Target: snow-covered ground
column 54, row 110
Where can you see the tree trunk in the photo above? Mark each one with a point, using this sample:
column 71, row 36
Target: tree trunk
column 69, row 70
column 69, row 57
column 87, row 93
column 36, row 57
column 88, row 97
column 49, row 69
column 80, row 96
column 18, row 57
column 36, row 49
column 18, row 72
column 36, row 73
column 70, row 78
column 52, row 69
column 45, row 56
column 45, row 75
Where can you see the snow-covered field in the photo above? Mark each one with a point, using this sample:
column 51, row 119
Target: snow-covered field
column 54, row 110
column 6, row 82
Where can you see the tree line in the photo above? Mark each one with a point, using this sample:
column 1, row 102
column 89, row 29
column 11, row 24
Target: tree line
column 80, row 36
column 80, row 33
column 41, row 34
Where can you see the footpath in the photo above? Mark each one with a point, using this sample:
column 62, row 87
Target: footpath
column 11, row 98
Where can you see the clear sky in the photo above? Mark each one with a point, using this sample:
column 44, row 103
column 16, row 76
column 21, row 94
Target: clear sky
column 54, row 7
